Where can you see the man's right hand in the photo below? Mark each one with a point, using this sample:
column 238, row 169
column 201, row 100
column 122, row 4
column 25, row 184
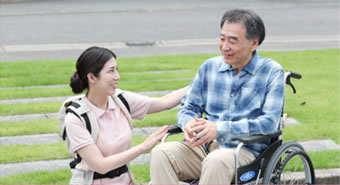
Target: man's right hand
column 189, row 134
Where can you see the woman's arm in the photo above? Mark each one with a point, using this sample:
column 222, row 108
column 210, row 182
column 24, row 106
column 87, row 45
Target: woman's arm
column 97, row 162
column 167, row 102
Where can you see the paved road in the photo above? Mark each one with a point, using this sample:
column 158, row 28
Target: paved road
column 47, row 29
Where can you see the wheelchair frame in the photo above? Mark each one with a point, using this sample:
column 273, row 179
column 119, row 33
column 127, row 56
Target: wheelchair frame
column 269, row 160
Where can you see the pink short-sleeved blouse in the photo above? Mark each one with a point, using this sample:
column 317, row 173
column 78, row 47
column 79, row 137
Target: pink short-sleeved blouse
column 114, row 131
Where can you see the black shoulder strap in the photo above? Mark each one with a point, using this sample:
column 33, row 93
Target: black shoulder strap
column 121, row 97
column 84, row 115
column 75, row 162
column 88, row 127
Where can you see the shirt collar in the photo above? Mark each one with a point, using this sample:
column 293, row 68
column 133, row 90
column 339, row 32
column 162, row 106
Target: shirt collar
column 224, row 66
column 250, row 67
column 99, row 112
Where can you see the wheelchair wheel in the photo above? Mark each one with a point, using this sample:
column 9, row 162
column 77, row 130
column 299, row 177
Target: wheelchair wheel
column 289, row 165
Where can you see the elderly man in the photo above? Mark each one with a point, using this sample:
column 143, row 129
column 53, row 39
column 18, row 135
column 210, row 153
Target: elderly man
column 237, row 94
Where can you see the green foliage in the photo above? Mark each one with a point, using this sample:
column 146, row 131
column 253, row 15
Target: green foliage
column 321, row 160
column 316, row 103
column 325, row 159
column 35, row 73
column 30, row 108
column 134, row 86
column 141, row 173
column 315, row 106
column 16, row 128
column 22, row 153
column 34, row 92
column 62, row 176
column 158, row 119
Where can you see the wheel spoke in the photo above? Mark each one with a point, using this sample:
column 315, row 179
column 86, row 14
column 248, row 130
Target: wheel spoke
column 287, row 163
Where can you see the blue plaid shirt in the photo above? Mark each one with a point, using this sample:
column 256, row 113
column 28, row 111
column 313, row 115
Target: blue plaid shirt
column 241, row 105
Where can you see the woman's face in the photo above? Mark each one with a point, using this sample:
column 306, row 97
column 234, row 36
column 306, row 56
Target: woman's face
column 108, row 78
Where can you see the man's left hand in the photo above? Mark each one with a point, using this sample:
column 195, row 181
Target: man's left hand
column 207, row 132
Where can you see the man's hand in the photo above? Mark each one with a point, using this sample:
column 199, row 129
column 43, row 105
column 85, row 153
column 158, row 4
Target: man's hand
column 207, row 132
column 199, row 131
column 189, row 134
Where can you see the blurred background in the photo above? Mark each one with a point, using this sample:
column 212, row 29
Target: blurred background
column 61, row 29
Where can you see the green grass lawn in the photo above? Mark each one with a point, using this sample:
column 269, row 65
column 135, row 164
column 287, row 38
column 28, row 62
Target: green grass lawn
column 315, row 106
column 131, row 69
column 18, row 128
column 311, row 105
column 36, row 92
column 63, row 176
column 320, row 160
column 30, row 108
column 25, row 153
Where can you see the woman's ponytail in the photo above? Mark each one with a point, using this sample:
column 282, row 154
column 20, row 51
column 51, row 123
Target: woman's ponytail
column 76, row 84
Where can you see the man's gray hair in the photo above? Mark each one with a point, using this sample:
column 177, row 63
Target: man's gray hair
column 253, row 23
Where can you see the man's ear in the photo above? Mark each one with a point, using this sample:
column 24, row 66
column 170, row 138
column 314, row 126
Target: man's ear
column 254, row 44
column 91, row 78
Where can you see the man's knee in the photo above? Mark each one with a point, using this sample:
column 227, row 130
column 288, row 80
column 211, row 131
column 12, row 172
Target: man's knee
column 219, row 160
column 163, row 150
column 158, row 152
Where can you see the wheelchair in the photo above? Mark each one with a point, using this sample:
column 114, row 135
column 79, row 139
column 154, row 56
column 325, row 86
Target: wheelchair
column 279, row 163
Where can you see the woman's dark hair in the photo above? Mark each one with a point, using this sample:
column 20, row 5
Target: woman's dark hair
column 91, row 60
column 253, row 23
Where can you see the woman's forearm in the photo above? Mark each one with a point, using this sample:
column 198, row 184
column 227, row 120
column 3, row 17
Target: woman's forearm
column 97, row 162
column 168, row 101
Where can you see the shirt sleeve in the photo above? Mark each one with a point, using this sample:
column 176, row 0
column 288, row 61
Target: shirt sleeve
column 77, row 132
column 139, row 104
column 265, row 123
column 192, row 103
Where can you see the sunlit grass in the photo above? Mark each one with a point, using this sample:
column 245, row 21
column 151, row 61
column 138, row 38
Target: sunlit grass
column 17, row 128
column 134, row 86
column 325, row 159
column 52, row 72
column 24, row 153
column 63, row 176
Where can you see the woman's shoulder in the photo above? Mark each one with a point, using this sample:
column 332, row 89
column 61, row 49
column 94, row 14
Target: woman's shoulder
column 71, row 119
column 133, row 97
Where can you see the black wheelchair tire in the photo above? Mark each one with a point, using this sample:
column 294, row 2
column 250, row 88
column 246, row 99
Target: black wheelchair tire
column 282, row 150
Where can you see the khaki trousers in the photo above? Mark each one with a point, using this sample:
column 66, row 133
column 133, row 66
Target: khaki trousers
column 172, row 162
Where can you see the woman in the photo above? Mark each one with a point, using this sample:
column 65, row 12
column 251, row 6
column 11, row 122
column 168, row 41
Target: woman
column 97, row 71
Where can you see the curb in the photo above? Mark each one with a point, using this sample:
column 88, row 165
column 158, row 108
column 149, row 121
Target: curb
column 63, row 98
column 33, row 166
column 55, row 138
column 322, row 176
column 327, row 176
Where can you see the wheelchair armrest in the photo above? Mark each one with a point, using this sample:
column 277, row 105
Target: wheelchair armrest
column 174, row 129
column 257, row 138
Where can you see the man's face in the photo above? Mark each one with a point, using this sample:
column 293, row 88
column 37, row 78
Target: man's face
column 235, row 47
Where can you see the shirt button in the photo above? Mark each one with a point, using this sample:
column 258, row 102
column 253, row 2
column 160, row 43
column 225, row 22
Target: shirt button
column 232, row 94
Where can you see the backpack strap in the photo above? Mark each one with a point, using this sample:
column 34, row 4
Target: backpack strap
column 84, row 113
column 123, row 100
column 123, row 104
column 79, row 108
